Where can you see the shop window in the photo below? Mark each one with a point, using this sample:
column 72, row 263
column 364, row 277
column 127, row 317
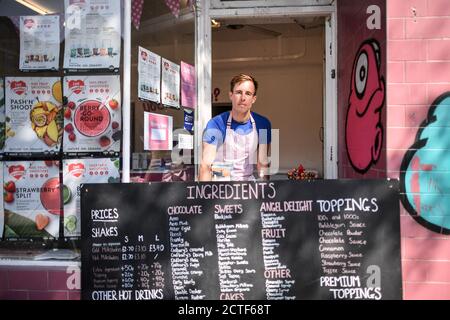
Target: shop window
column 61, row 100
column 163, row 107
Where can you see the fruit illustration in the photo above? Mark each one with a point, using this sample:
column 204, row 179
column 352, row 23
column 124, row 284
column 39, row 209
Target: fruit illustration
column 40, row 131
column 43, row 117
column 72, row 137
column 116, row 163
column 117, row 135
column 113, row 180
column 9, row 131
column 50, row 196
column 10, row 186
column 105, row 141
column 70, row 223
column 67, row 113
column 71, row 105
column 52, row 131
column 113, row 104
column 115, row 125
column 57, row 91
column 67, row 194
column 8, row 197
column 91, row 118
column 68, row 128
column 41, row 221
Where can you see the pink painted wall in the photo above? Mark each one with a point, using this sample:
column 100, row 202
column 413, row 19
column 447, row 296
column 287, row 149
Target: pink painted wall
column 418, row 71
column 39, row 283
column 360, row 134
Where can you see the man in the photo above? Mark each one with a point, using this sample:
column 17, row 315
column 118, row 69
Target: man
column 240, row 137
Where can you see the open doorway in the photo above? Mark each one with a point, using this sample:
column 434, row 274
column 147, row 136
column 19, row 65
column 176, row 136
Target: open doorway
column 286, row 56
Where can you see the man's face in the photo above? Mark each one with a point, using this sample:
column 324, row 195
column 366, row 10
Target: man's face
column 243, row 96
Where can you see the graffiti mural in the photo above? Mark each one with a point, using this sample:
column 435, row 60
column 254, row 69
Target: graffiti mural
column 425, row 170
column 363, row 127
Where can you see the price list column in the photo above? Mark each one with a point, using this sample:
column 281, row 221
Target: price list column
column 141, row 269
column 278, row 277
column 332, row 244
column 190, row 257
column 342, row 244
column 236, row 269
column 106, row 272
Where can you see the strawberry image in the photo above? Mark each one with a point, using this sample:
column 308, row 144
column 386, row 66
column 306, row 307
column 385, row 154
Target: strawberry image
column 68, row 128
column 67, row 113
column 10, row 186
column 8, row 197
column 113, row 104
column 104, row 141
column 72, row 136
column 71, row 105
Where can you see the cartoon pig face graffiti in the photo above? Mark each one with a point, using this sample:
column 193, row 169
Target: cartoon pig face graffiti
column 363, row 129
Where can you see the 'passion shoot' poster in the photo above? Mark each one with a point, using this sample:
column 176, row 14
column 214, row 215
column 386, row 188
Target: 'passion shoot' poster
column 33, row 109
column 92, row 116
column 93, row 34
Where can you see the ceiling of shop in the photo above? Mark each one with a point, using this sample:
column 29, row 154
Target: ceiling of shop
column 13, row 8
column 265, row 28
column 181, row 29
column 152, row 8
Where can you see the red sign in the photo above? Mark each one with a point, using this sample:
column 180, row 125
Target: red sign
column 76, row 86
column 76, row 169
column 19, row 87
column 92, row 118
column 16, row 172
column 29, row 23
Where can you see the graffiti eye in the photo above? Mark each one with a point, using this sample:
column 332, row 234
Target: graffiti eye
column 361, row 73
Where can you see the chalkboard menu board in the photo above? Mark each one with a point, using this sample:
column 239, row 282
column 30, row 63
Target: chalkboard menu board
column 328, row 239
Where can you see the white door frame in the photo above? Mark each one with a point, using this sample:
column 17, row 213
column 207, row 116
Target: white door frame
column 330, row 151
column 205, row 13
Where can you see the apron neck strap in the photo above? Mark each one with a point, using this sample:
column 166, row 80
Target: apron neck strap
column 230, row 119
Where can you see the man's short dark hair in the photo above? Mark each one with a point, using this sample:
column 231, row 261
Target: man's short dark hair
column 241, row 78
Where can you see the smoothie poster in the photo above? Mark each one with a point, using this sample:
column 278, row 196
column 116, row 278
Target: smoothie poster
column 149, row 75
column 92, row 34
column 2, row 114
column 92, row 116
column 32, row 199
column 33, row 109
column 76, row 172
column 170, row 86
column 39, row 42
column 157, row 131
column 188, row 88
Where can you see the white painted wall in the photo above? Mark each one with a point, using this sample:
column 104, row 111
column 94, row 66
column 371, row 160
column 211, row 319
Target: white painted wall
column 290, row 92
